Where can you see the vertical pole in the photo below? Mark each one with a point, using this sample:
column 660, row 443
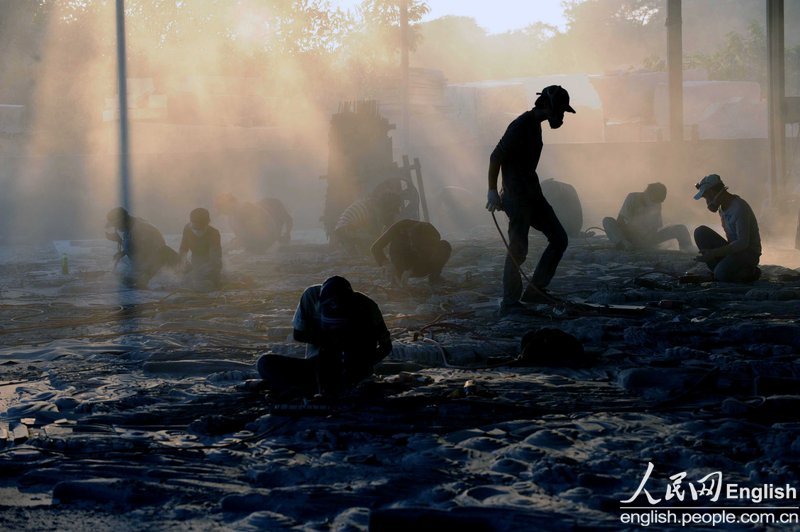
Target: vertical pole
column 122, row 87
column 129, row 321
column 776, row 91
column 675, row 67
column 404, row 70
column 421, row 187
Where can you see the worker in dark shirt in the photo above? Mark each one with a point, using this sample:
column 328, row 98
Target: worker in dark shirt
column 345, row 336
column 141, row 248
column 204, row 243
column 416, row 249
column 517, row 155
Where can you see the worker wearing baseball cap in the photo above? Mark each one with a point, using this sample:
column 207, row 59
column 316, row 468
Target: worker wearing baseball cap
column 735, row 257
column 517, row 154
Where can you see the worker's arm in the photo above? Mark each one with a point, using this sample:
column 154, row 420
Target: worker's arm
column 743, row 221
column 743, row 224
column 215, row 250
column 183, row 250
column 114, row 237
column 308, row 337
column 304, row 327
column 384, row 338
column 386, row 238
column 629, row 209
column 493, row 201
column 742, row 242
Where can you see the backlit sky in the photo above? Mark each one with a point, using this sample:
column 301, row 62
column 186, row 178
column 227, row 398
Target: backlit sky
column 496, row 16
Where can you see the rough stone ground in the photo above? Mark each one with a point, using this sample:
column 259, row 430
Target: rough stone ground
column 139, row 410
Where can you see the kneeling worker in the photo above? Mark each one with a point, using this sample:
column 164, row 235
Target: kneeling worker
column 204, row 243
column 733, row 259
column 346, row 337
column 416, row 249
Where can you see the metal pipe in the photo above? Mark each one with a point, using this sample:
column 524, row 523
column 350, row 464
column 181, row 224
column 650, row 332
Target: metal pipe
column 404, row 71
column 675, row 67
column 776, row 94
column 122, row 87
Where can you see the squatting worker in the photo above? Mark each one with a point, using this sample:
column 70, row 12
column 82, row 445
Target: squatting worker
column 733, row 259
column 416, row 249
column 346, row 337
column 517, row 154
column 203, row 241
column 141, row 243
column 256, row 226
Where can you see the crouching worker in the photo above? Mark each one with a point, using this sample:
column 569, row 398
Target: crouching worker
column 639, row 224
column 416, row 249
column 256, row 226
column 733, row 259
column 204, row 243
column 346, row 337
column 141, row 243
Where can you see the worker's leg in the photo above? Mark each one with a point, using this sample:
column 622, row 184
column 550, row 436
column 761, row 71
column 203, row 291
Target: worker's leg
column 440, row 257
column 518, row 227
column 737, row 268
column 707, row 238
column 615, row 233
column 678, row 232
column 546, row 221
column 401, row 256
column 283, row 374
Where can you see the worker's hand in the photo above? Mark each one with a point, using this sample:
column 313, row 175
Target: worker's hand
column 493, row 201
column 706, row 255
column 389, row 274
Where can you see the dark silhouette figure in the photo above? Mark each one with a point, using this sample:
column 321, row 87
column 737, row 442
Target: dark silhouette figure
column 733, row 259
column 204, row 243
column 639, row 224
column 517, row 154
column 142, row 244
column 256, row 226
column 346, row 337
column 416, row 249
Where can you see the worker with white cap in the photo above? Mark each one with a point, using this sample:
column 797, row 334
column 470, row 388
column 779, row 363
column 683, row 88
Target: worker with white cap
column 735, row 257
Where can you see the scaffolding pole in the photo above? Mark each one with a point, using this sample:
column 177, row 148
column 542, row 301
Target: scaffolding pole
column 776, row 90
column 675, row 67
column 122, row 83
column 404, row 45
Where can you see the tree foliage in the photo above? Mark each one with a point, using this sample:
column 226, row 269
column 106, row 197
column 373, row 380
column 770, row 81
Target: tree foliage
column 740, row 57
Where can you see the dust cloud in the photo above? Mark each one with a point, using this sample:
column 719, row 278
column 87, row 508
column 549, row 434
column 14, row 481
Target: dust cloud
column 238, row 96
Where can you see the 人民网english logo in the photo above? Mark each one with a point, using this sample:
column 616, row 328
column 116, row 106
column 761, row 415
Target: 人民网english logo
column 707, row 499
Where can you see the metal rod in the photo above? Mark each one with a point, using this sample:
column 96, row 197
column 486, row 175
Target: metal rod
column 122, row 82
column 776, row 92
column 404, row 45
column 675, row 67
column 421, row 186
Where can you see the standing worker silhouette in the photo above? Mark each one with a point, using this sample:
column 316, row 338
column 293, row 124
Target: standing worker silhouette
column 517, row 154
